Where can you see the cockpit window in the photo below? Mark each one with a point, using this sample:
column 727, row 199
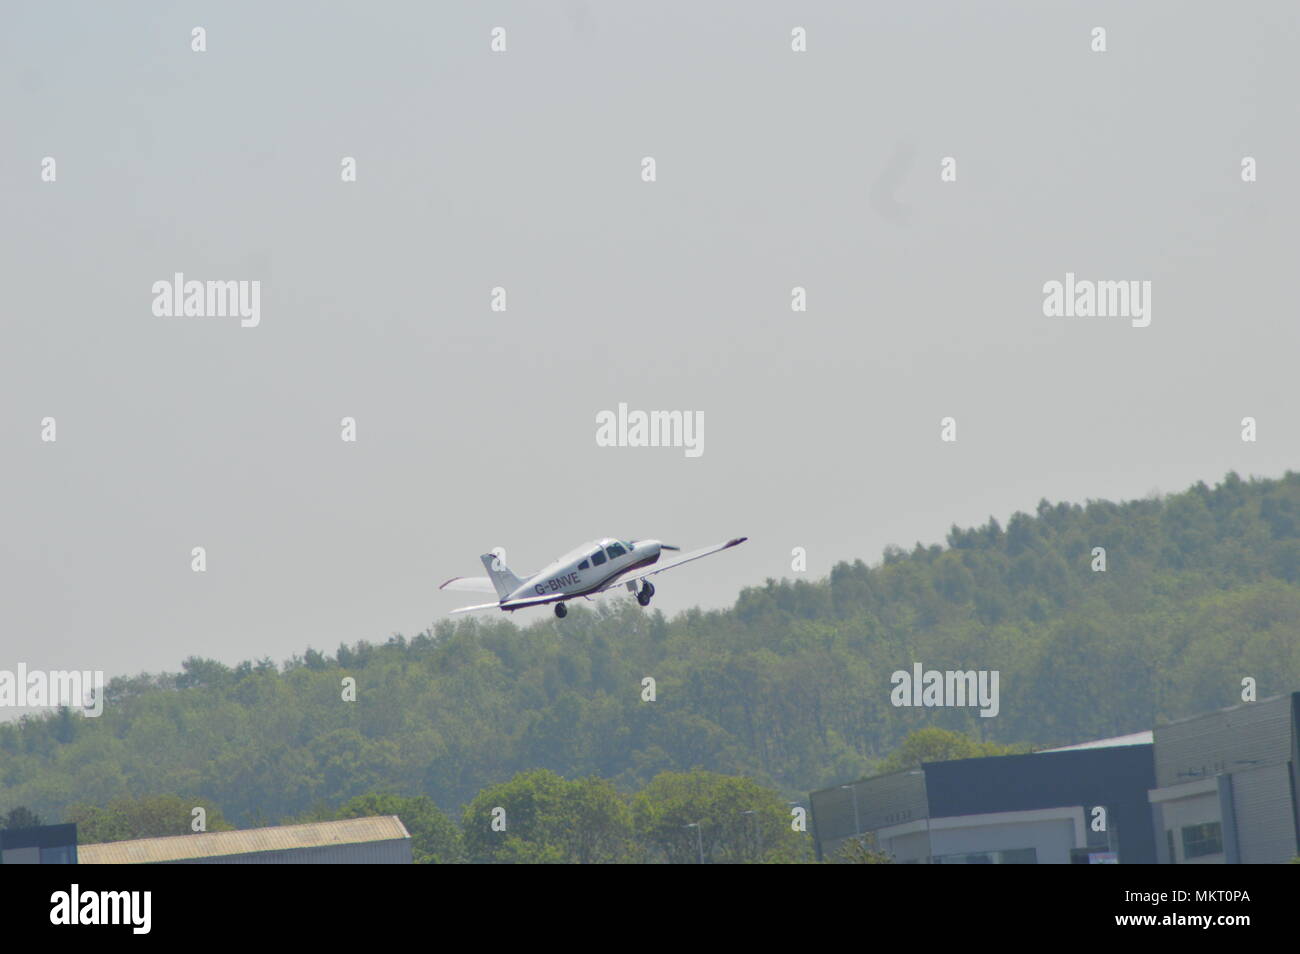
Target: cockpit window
column 615, row 550
column 598, row 557
column 584, row 565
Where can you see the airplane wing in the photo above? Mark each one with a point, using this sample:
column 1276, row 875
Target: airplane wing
column 622, row 581
column 659, row 568
column 515, row 604
column 469, row 584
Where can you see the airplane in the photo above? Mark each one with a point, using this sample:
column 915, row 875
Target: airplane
column 584, row 571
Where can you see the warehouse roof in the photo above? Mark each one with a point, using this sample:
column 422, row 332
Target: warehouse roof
column 1146, row 737
column 348, row 831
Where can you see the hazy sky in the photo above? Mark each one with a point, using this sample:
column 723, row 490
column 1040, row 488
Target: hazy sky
column 523, row 169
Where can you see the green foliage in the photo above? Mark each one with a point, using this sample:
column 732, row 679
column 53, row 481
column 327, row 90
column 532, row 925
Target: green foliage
column 20, row 817
column 790, row 687
column 152, row 816
column 435, row 839
column 730, row 820
column 861, row 851
column 548, row 820
column 940, row 745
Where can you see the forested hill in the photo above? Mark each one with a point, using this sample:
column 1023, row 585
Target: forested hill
column 791, row 686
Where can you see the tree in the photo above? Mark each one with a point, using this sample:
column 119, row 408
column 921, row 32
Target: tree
column 20, row 817
column 861, row 851
column 938, row 745
column 151, row 816
column 539, row 817
column 434, row 837
column 729, row 819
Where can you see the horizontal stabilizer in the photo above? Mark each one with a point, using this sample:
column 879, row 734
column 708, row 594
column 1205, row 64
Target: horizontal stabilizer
column 469, row 584
column 514, row 604
column 480, row 606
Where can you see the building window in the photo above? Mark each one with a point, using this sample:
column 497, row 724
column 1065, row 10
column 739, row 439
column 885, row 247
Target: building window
column 1020, row 856
column 1173, row 856
column 1202, row 840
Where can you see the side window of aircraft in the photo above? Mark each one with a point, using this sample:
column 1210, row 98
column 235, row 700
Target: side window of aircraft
column 584, row 565
column 598, row 557
column 615, row 551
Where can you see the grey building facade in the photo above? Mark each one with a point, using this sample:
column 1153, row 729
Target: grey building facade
column 1217, row 788
column 43, row 845
column 1226, row 785
column 1087, row 804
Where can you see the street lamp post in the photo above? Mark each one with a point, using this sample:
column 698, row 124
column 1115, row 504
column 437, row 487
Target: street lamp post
column 857, row 821
column 758, row 834
column 699, row 834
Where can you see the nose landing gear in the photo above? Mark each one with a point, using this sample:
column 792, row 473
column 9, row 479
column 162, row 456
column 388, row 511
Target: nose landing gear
column 647, row 591
column 561, row 610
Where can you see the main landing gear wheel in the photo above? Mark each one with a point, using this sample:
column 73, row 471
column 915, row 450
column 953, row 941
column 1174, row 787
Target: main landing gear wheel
column 647, row 591
column 561, row 610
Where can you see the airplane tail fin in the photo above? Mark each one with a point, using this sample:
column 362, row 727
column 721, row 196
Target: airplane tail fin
column 500, row 575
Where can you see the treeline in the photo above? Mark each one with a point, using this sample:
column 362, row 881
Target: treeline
column 537, row 817
column 790, row 688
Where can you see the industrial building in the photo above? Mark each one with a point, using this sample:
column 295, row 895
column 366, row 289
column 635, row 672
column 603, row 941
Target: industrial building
column 1218, row 788
column 1226, row 785
column 43, row 845
column 378, row 840
column 1085, row 804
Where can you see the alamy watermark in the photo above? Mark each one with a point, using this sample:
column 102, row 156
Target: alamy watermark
column 129, row 908
column 53, row 689
column 947, row 688
column 626, row 428
column 1083, row 298
column 179, row 298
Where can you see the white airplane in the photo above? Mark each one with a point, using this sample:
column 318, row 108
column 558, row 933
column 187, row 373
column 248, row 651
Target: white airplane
column 591, row 568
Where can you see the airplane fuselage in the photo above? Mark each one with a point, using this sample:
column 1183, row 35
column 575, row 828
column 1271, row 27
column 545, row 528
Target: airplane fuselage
column 591, row 568
column 588, row 568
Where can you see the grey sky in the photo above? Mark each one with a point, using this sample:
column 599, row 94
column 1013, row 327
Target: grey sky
column 522, row 169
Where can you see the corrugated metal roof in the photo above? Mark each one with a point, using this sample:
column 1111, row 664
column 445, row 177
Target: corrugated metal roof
column 347, row 831
column 1145, row 737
